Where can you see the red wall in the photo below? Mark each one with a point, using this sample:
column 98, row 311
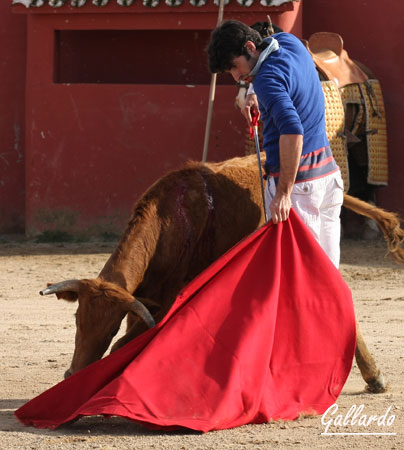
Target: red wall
column 373, row 33
column 94, row 144
column 12, row 121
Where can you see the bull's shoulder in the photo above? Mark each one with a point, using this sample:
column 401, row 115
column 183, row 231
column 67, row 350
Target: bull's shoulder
column 248, row 162
column 195, row 178
column 238, row 162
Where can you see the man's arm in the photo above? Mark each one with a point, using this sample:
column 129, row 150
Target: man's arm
column 290, row 151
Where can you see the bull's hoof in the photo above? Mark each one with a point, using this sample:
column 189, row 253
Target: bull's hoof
column 377, row 386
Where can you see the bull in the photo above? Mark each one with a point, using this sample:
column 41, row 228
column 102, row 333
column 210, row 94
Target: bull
column 180, row 225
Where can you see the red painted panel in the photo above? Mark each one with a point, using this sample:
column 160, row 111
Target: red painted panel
column 12, row 82
column 95, row 148
column 373, row 34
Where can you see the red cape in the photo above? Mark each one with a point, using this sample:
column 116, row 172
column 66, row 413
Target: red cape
column 266, row 332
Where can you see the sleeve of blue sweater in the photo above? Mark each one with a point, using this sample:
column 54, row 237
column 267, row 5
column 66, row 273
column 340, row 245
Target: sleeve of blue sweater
column 273, row 96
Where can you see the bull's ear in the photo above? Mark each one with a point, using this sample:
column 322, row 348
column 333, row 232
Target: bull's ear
column 68, row 295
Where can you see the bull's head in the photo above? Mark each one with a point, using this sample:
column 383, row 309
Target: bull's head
column 101, row 309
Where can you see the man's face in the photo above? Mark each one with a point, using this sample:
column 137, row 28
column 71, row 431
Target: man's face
column 242, row 66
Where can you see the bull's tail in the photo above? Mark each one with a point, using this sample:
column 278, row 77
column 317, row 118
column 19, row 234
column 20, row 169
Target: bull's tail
column 388, row 222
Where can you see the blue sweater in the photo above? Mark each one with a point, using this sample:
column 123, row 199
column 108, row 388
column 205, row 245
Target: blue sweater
column 290, row 98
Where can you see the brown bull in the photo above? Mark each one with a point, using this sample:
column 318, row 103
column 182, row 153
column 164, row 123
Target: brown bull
column 184, row 222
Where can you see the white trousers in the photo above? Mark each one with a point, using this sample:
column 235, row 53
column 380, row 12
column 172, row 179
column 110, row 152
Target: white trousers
column 318, row 204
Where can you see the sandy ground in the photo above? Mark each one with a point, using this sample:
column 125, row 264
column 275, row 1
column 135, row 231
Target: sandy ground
column 37, row 340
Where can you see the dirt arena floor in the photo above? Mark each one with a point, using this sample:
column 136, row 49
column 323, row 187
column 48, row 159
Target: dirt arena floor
column 37, row 340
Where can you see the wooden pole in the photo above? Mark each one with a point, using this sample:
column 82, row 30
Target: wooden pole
column 211, row 95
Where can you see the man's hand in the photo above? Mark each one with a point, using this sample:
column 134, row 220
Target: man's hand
column 251, row 103
column 280, row 207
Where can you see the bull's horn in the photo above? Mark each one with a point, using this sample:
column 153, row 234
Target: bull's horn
column 140, row 310
column 68, row 285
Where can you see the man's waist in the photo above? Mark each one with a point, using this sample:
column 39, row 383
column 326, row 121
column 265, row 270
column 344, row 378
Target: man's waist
column 316, row 164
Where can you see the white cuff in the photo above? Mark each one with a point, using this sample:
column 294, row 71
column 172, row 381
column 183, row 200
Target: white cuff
column 250, row 90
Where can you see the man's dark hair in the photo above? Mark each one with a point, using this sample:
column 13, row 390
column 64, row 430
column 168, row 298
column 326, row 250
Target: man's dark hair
column 266, row 29
column 228, row 42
